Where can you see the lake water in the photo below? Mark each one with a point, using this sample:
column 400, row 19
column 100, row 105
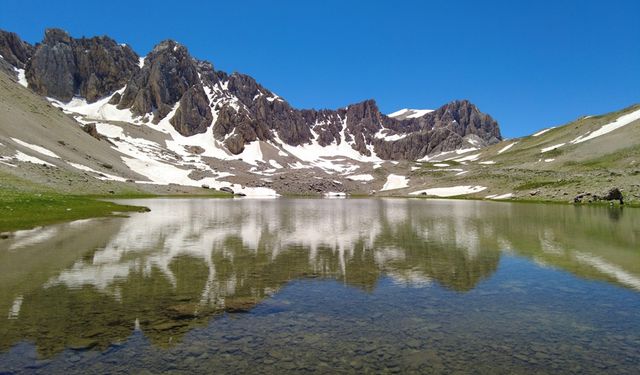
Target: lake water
column 326, row 286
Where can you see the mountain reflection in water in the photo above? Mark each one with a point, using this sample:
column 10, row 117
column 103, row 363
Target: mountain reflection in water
column 89, row 284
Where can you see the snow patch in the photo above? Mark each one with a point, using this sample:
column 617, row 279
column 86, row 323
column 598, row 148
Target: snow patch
column 502, row 196
column 252, row 153
column 36, row 148
column 608, row 128
column 324, row 157
column 31, row 159
column 541, row 132
column 274, row 98
column 448, row 155
column 473, row 157
column 465, row 150
column 506, row 148
column 410, row 113
column 275, row 164
column 395, row 181
column 450, row 191
column 546, row 149
column 332, row 194
column 152, row 160
column 382, row 134
column 360, row 177
column 22, row 78
column 100, row 175
column 98, row 110
column 7, row 164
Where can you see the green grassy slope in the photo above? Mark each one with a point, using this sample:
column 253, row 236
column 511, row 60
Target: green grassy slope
column 26, row 205
column 596, row 165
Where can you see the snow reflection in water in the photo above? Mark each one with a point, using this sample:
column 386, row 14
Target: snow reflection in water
column 438, row 271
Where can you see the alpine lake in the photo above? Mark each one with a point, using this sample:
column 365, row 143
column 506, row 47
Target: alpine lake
column 326, row 286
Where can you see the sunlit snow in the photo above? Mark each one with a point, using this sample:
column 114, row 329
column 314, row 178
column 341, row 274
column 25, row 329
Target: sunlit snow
column 507, row 147
column 36, row 148
column 21, row 156
column 608, row 128
column 100, row 175
column 395, row 181
column 361, row 177
column 541, row 132
column 546, row 149
column 414, row 113
column 450, row 191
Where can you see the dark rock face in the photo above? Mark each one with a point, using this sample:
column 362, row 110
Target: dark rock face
column 363, row 120
column 92, row 131
column 193, row 116
column 14, row 50
column 238, row 108
column 8, row 69
column 250, row 112
column 260, row 113
column 51, row 70
column 168, row 73
column 226, row 190
column 439, row 131
column 613, row 194
column 62, row 67
column 103, row 66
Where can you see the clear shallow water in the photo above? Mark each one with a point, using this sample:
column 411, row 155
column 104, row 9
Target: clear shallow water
column 326, row 286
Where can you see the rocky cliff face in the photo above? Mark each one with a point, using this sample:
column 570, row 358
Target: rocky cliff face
column 170, row 83
column 169, row 73
column 63, row 67
column 13, row 50
column 14, row 53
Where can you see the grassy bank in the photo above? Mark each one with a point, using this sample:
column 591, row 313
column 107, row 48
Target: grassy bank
column 24, row 204
column 27, row 210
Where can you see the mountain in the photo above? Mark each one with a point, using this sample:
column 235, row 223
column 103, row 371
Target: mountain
column 167, row 121
column 169, row 82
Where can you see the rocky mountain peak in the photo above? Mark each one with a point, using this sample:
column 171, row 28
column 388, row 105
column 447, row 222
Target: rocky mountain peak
column 54, row 36
column 63, row 67
column 170, row 83
column 465, row 118
column 363, row 121
column 14, row 50
column 168, row 73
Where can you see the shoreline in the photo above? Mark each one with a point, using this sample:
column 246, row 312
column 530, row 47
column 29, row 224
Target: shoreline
column 33, row 210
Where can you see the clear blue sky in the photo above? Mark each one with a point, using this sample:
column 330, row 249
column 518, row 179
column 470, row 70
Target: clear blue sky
column 529, row 64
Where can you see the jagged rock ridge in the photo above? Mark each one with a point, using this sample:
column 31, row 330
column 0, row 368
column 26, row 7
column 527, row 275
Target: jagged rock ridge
column 170, row 82
column 62, row 67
